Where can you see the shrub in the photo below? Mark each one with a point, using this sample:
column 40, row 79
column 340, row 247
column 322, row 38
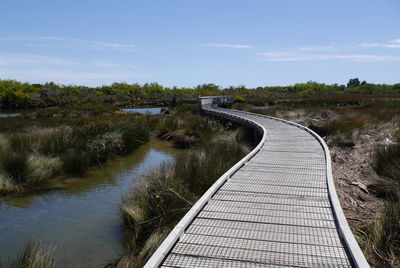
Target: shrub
column 238, row 98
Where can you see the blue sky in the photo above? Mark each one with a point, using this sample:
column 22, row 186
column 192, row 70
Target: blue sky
column 187, row 42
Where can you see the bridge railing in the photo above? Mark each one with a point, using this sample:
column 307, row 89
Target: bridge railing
column 173, row 237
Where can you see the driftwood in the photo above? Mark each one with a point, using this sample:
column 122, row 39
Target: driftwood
column 361, row 186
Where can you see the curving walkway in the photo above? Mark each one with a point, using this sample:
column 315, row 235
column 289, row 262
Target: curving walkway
column 277, row 207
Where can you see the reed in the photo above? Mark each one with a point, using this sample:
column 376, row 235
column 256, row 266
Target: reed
column 387, row 161
column 34, row 154
column 33, row 255
column 165, row 194
column 383, row 237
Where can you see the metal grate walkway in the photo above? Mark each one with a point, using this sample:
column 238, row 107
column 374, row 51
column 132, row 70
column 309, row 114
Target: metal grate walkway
column 275, row 208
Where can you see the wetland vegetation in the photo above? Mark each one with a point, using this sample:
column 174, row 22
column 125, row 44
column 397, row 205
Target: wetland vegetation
column 37, row 149
column 165, row 194
column 33, row 255
column 17, row 95
column 47, row 134
column 82, row 128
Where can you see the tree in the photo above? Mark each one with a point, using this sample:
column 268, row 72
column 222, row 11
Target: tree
column 355, row 82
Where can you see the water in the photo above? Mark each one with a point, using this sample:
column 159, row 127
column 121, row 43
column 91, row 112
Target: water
column 292, row 115
column 6, row 115
column 261, row 107
column 155, row 110
column 82, row 220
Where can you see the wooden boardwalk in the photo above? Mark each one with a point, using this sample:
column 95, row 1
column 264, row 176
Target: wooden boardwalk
column 276, row 208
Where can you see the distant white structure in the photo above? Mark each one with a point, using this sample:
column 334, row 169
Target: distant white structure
column 215, row 101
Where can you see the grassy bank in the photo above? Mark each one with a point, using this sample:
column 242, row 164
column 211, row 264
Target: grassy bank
column 165, row 194
column 383, row 235
column 33, row 255
column 36, row 150
column 185, row 127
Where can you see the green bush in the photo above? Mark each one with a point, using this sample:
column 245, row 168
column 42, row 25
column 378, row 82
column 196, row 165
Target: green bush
column 14, row 94
column 238, row 98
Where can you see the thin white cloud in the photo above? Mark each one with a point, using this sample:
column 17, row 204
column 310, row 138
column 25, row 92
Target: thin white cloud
column 317, row 48
column 13, row 59
column 115, row 46
column 35, row 38
column 55, row 41
column 226, row 45
column 40, row 68
column 293, row 56
column 391, row 44
column 325, row 53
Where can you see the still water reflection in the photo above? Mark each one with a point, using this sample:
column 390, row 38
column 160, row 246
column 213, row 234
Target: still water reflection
column 6, row 115
column 155, row 110
column 82, row 220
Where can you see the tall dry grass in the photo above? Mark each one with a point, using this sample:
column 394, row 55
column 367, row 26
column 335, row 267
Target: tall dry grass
column 33, row 255
column 384, row 234
column 182, row 128
column 165, row 194
column 34, row 153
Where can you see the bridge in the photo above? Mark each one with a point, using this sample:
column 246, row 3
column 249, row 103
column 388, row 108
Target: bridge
column 277, row 207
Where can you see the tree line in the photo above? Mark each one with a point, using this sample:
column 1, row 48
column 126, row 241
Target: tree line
column 15, row 94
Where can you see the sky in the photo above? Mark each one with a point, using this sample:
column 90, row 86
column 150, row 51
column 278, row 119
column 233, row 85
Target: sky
column 188, row 42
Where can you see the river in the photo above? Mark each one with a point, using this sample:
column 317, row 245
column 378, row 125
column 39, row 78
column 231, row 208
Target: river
column 82, row 219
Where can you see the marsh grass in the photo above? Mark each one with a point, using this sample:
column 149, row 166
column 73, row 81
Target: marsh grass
column 200, row 168
column 152, row 208
column 386, row 168
column 349, row 99
column 387, row 161
column 14, row 166
column 383, row 237
column 74, row 111
column 384, row 234
column 34, row 154
column 339, row 118
column 165, row 194
column 33, row 255
column 184, row 127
